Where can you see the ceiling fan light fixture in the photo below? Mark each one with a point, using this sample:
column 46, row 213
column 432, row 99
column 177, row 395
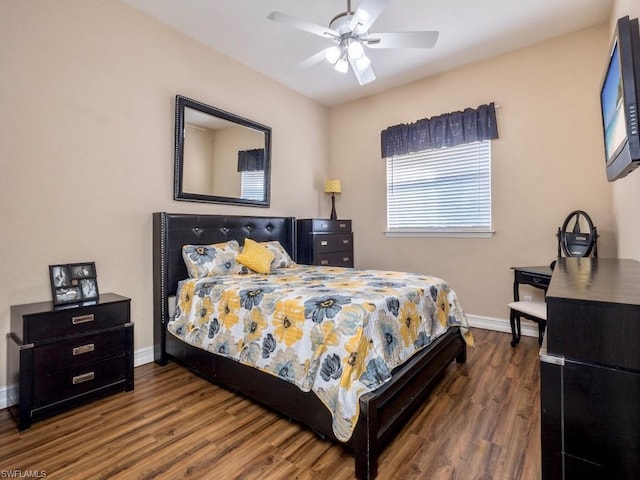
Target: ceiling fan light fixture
column 355, row 49
column 342, row 65
column 349, row 33
column 363, row 62
column 332, row 54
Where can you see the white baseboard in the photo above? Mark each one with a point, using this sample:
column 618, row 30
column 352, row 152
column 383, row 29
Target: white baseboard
column 145, row 355
column 142, row 356
column 528, row 328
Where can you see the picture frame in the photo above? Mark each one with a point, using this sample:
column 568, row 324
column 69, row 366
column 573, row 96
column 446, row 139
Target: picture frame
column 73, row 283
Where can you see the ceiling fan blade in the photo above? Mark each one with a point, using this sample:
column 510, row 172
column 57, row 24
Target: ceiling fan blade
column 311, row 61
column 303, row 25
column 364, row 75
column 402, row 40
column 366, row 13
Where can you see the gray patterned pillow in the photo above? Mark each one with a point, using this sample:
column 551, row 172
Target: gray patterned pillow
column 282, row 258
column 208, row 260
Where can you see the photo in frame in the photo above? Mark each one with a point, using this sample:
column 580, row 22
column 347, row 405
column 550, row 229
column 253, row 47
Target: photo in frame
column 73, row 283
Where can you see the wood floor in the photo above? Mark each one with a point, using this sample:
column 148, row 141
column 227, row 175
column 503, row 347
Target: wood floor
column 482, row 422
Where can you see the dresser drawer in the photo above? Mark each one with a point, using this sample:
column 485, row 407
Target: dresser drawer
column 75, row 381
column 336, row 242
column 325, row 242
column 532, row 279
column 71, row 353
column 336, row 259
column 327, row 226
column 75, row 321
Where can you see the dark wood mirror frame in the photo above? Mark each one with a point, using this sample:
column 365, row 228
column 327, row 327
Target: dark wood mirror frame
column 216, row 115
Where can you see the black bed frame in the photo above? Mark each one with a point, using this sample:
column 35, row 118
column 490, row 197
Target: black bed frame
column 382, row 412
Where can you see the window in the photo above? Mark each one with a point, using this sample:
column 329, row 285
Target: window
column 444, row 191
column 252, row 187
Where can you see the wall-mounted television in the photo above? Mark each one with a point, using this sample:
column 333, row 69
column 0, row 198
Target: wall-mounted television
column 619, row 97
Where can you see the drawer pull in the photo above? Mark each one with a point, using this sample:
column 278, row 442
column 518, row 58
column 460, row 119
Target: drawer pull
column 343, row 225
column 345, row 241
column 324, row 262
column 323, row 225
column 324, row 243
column 345, row 259
column 89, row 347
column 82, row 319
column 85, row 377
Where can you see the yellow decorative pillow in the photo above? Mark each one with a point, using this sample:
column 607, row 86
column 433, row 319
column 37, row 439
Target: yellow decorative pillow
column 256, row 257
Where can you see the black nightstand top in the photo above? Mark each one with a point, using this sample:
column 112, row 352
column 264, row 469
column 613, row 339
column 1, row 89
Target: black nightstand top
column 538, row 270
column 48, row 307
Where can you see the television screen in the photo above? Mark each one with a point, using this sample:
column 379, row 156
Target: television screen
column 619, row 94
column 615, row 133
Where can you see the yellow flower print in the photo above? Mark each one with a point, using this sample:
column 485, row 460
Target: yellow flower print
column 254, row 324
column 351, row 284
column 468, row 338
column 354, row 364
column 409, row 323
column 228, row 308
column 323, row 335
column 392, row 274
column 205, row 310
column 288, row 319
column 443, row 307
column 186, row 295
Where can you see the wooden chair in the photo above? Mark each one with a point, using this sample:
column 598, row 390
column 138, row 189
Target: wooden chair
column 535, row 311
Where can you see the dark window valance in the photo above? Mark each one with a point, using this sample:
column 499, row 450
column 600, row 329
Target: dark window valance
column 251, row 160
column 447, row 130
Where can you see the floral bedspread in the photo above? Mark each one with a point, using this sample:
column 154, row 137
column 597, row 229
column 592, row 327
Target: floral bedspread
column 336, row 331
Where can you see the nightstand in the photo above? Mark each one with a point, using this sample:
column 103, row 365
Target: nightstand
column 59, row 357
column 325, row 242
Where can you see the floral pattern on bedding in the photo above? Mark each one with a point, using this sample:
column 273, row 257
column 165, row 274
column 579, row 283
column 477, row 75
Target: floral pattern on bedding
column 336, row 331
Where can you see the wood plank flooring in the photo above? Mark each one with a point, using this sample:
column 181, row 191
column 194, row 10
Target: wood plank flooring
column 481, row 422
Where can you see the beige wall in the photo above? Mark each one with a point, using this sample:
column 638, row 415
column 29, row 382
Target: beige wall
column 546, row 163
column 86, row 150
column 197, row 172
column 626, row 191
column 87, row 90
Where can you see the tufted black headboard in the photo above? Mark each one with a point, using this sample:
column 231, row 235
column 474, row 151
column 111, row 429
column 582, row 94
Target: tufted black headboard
column 171, row 231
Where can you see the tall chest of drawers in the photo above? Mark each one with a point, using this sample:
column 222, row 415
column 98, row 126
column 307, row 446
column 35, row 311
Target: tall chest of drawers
column 325, row 242
column 64, row 356
column 590, row 371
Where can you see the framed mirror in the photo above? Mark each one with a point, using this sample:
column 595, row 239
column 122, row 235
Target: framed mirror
column 220, row 157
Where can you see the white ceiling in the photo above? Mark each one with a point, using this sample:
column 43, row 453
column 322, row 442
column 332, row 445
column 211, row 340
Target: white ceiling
column 470, row 30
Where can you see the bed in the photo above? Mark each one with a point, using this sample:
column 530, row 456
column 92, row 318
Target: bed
column 381, row 410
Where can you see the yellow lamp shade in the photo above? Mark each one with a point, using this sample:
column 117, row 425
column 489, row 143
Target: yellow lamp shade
column 332, row 186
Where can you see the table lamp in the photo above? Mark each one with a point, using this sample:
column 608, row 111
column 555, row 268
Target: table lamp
column 333, row 187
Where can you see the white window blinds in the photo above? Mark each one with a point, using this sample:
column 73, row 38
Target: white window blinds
column 252, row 185
column 445, row 190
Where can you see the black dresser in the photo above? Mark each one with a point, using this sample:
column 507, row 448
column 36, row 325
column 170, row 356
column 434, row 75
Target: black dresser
column 63, row 356
column 325, row 242
column 590, row 371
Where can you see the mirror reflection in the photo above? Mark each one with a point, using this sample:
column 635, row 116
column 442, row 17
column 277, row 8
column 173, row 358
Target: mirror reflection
column 220, row 157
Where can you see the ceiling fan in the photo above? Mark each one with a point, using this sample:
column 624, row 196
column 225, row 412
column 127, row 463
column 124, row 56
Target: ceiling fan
column 349, row 32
